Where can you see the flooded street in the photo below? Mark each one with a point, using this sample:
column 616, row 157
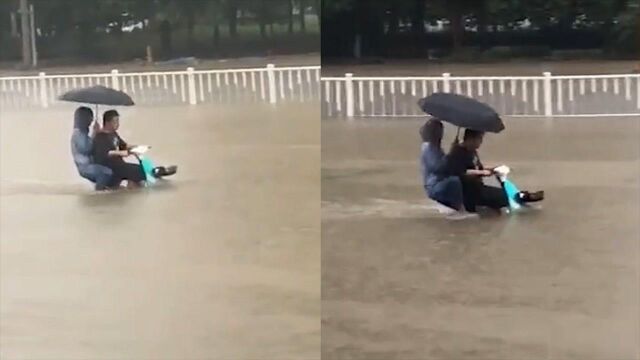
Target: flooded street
column 401, row 282
column 220, row 262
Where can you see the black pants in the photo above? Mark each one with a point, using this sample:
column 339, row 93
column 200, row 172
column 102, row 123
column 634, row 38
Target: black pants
column 125, row 171
column 475, row 193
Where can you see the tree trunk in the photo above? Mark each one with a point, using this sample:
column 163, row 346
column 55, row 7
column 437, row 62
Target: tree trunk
column 233, row 18
column 263, row 19
column 568, row 16
column 393, row 19
column 190, row 30
column 216, row 35
column 290, row 9
column 26, row 37
column 361, row 40
column 165, row 39
column 14, row 25
column 483, row 17
column 216, row 24
column 117, row 29
column 303, row 25
column 263, row 29
column 417, row 18
column 457, row 31
column 456, row 19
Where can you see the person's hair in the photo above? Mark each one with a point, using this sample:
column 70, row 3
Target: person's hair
column 82, row 118
column 472, row 134
column 432, row 131
column 108, row 116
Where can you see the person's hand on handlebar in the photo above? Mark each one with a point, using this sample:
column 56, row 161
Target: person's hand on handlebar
column 488, row 172
column 483, row 173
column 121, row 153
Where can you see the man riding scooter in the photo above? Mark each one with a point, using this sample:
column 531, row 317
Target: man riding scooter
column 463, row 161
column 110, row 150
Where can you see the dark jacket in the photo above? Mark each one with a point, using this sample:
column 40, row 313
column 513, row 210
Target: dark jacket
column 105, row 142
column 460, row 159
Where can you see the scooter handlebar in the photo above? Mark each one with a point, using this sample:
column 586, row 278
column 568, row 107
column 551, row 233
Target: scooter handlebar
column 139, row 149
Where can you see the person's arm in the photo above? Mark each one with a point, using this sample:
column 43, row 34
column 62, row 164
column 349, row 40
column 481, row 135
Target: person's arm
column 434, row 161
column 460, row 163
column 102, row 144
column 82, row 143
column 96, row 129
column 479, row 172
column 121, row 153
column 480, row 169
column 124, row 145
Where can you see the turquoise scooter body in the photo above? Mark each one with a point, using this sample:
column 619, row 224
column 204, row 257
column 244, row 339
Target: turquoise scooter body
column 510, row 188
column 512, row 192
column 149, row 169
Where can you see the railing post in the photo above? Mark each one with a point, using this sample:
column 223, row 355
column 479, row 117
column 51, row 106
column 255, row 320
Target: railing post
column 446, row 83
column 44, row 98
column 548, row 102
column 348, row 89
column 115, row 83
column 191, row 86
column 271, row 76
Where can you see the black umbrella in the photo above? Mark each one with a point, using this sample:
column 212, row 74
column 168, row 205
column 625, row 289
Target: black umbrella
column 98, row 95
column 462, row 111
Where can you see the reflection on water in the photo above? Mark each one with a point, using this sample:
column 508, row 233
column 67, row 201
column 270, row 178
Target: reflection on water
column 205, row 265
column 401, row 281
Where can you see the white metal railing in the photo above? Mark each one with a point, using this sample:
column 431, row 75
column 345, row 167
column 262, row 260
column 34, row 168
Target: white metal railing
column 269, row 84
column 546, row 95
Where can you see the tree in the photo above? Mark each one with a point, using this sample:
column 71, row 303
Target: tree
column 627, row 30
column 25, row 33
column 262, row 17
column 216, row 10
column 232, row 17
column 417, row 18
column 290, row 17
column 394, row 18
column 190, row 7
column 301, row 15
column 457, row 10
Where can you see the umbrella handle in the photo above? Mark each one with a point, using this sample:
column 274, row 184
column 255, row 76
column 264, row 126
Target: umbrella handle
column 96, row 117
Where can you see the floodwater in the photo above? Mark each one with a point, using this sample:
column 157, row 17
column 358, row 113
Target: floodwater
column 519, row 67
column 399, row 281
column 221, row 262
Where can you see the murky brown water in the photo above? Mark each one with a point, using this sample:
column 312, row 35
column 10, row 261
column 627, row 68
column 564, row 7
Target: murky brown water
column 401, row 282
column 522, row 67
column 221, row 263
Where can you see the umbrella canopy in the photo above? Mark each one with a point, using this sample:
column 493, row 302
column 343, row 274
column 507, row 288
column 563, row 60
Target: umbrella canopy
column 462, row 111
column 98, row 95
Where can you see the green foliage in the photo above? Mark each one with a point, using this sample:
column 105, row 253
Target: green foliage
column 626, row 32
column 92, row 28
column 614, row 22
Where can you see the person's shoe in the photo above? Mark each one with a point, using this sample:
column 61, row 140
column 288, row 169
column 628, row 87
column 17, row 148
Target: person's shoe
column 527, row 197
column 170, row 170
column 161, row 171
